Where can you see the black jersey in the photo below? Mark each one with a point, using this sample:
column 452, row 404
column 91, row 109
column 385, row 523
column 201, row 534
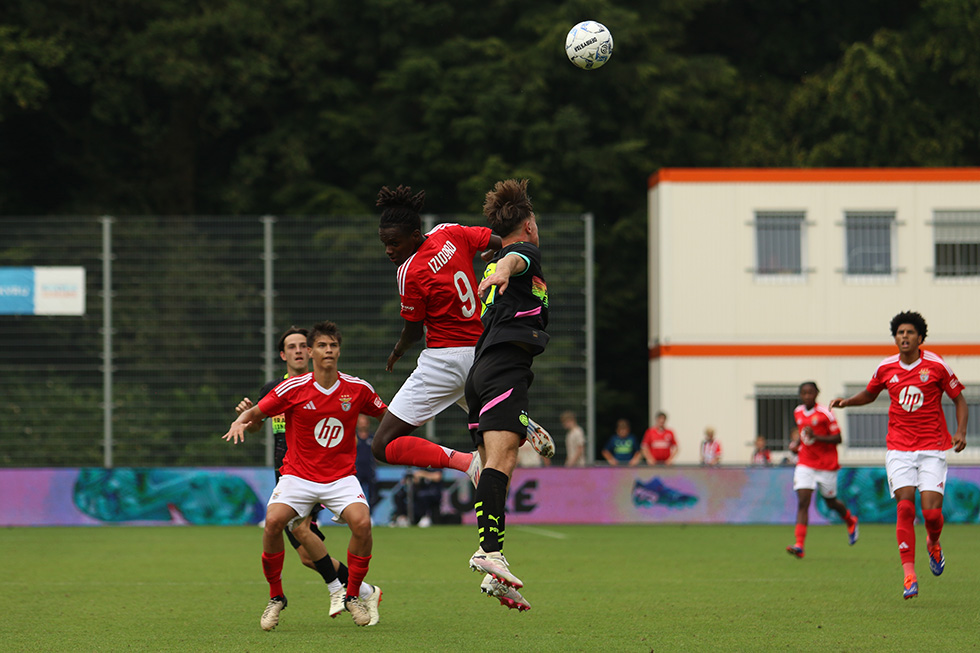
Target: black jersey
column 278, row 423
column 520, row 313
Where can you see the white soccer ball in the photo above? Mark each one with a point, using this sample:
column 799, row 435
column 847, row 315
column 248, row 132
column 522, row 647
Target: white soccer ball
column 589, row 45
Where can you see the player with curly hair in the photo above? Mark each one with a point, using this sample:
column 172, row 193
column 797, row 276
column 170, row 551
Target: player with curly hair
column 917, row 439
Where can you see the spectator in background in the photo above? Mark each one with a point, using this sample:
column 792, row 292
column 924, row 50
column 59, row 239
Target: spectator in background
column 622, row 448
column 365, row 464
column 710, row 449
column 574, row 440
column 659, row 444
column 761, row 456
column 426, row 488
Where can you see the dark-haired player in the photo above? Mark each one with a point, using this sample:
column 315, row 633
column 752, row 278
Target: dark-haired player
column 438, row 301
column 321, row 409
column 815, row 442
column 515, row 314
column 917, row 438
column 296, row 354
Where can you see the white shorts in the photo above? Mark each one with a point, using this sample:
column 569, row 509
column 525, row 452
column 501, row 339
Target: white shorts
column 437, row 382
column 808, row 478
column 925, row 470
column 301, row 495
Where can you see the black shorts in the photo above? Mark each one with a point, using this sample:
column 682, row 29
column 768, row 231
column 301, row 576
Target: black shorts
column 496, row 391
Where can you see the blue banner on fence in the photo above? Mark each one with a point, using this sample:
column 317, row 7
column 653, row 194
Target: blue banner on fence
column 45, row 290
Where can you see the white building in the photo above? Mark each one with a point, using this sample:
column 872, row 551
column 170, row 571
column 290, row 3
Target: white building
column 760, row 279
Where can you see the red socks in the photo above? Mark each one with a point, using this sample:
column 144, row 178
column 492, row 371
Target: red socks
column 419, row 452
column 800, row 535
column 934, row 524
column 272, row 566
column 357, row 568
column 904, row 530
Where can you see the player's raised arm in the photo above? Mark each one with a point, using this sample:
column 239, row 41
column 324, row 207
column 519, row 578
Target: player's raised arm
column 496, row 242
column 241, row 407
column 508, row 266
column 245, row 421
column 860, row 399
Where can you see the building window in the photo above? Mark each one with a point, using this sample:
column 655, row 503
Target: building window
column 774, row 414
column 972, row 395
column 868, row 245
column 957, row 243
column 779, row 242
column 866, row 426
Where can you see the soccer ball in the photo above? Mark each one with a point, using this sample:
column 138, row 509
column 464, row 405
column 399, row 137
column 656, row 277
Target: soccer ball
column 589, row 45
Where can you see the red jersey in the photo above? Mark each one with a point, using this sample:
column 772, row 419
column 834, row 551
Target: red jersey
column 659, row 443
column 915, row 416
column 437, row 285
column 710, row 452
column 818, row 455
column 321, row 444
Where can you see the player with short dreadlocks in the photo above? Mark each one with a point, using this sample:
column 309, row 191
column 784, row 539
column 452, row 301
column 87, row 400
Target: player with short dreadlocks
column 438, row 301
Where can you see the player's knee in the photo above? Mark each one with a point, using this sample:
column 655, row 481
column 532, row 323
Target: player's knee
column 275, row 526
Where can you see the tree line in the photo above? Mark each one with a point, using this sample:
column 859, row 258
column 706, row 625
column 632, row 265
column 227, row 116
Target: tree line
column 170, row 107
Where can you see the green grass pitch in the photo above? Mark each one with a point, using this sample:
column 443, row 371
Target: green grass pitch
column 592, row 588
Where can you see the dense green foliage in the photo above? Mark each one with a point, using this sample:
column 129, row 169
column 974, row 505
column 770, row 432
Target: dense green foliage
column 654, row 588
column 308, row 106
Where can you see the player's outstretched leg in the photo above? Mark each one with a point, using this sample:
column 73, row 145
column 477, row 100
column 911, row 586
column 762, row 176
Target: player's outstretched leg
column 852, row 532
column 337, row 601
column 373, row 602
column 934, row 528
column 540, row 439
column 911, row 588
column 270, row 616
column 495, row 564
column 507, row 595
column 937, row 561
column 475, row 469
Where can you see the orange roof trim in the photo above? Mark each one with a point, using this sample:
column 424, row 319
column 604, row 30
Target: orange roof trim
column 813, row 175
column 799, row 350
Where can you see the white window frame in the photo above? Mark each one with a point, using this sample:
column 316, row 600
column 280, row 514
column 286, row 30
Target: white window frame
column 953, row 227
column 893, row 224
column 785, row 398
column 797, row 217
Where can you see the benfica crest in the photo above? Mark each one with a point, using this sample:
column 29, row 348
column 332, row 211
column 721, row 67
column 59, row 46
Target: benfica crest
column 345, row 402
column 924, row 375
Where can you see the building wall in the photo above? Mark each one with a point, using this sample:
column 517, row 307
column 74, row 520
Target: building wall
column 717, row 330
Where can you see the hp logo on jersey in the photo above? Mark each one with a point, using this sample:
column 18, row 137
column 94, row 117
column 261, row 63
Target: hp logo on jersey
column 329, row 432
column 910, row 398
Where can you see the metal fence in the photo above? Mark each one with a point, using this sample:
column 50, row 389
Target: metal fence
column 182, row 319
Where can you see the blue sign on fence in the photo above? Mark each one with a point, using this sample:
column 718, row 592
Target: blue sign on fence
column 42, row 291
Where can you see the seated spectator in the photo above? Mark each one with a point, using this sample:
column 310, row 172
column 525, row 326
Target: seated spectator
column 761, row 456
column 710, row 449
column 622, row 448
column 659, row 444
column 426, row 488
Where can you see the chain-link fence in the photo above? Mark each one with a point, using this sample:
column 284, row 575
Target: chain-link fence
column 182, row 318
